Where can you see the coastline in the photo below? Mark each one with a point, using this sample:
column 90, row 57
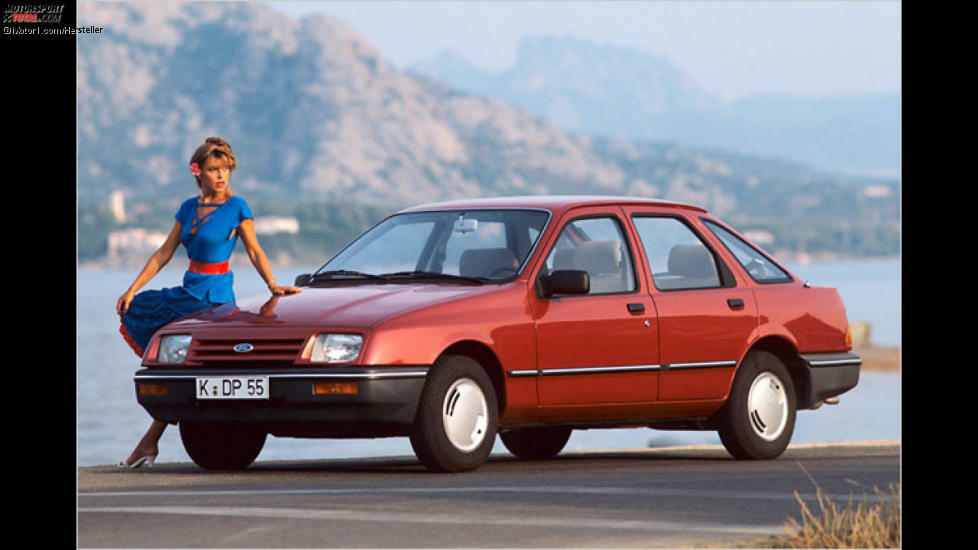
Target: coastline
column 875, row 357
column 879, row 358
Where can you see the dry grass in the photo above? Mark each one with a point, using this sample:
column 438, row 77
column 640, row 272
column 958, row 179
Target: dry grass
column 869, row 523
column 863, row 525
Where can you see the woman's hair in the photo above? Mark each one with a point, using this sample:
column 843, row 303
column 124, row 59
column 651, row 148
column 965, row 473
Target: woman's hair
column 214, row 147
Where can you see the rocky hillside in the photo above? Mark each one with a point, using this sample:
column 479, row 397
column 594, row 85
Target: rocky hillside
column 578, row 85
column 310, row 107
column 599, row 89
column 315, row 113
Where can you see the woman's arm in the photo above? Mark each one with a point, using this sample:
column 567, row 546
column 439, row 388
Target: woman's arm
column 258, row 259
column 153, row 266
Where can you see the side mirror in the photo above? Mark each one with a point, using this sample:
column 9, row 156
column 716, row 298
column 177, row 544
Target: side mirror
column 303, row 279
column 565, row 281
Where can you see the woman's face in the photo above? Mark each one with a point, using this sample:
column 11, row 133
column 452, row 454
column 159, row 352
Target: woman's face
column 215, row 175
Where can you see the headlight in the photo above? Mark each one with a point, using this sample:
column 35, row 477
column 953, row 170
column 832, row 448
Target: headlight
column 336, row 348
column 173, row 348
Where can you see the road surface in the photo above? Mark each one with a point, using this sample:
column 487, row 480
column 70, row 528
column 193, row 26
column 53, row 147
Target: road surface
column 681, row 496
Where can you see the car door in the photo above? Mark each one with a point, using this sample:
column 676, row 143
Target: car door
column 706, row 315
column 600, row 347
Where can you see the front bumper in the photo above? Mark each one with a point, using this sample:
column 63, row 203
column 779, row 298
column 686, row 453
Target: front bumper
column 384, row 405
column 830, row 374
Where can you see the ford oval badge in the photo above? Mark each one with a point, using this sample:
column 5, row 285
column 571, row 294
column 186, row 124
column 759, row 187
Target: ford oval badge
column 243, row 348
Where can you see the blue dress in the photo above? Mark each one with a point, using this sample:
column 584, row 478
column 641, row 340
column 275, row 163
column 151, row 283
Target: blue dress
column 208, row 239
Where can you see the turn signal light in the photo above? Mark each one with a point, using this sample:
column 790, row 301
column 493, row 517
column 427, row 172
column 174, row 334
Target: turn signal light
column 152, row 389
column 335, row 388
column 848, row 336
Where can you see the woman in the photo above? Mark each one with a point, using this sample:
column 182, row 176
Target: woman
column 208, row 226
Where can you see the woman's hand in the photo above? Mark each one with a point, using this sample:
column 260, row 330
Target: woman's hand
column 246, row 230
column 153, row 266
column 122, row 305
column 279, row 290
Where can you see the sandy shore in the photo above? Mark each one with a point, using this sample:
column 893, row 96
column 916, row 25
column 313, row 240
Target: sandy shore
column 877, row 358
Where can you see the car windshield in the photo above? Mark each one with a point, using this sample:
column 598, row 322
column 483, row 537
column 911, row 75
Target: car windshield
column 457, row 245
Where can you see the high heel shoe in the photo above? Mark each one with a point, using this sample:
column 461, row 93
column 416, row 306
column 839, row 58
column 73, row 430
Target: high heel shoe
column 141, row 462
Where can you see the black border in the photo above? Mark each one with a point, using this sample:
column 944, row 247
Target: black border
column 40, row 155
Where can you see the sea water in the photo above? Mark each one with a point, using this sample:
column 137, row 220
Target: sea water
column 110, row 422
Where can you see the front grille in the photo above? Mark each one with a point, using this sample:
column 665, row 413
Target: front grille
column 265, row 351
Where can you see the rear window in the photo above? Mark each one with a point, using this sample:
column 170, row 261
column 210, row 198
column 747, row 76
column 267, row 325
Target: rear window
column 756, row 264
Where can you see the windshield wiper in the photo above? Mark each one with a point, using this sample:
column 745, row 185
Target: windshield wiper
column 341, row 274
column 433, row 275
column 349, row 275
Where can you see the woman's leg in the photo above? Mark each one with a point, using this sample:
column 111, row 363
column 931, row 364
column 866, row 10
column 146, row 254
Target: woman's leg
column 148, row 445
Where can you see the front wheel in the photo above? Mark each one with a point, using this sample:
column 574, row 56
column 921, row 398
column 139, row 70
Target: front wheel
column 759, row 417
column 457, row 418
column 221, row 446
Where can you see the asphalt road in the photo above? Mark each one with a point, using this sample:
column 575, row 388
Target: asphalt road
column 634, row 498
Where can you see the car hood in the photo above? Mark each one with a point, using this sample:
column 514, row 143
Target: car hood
column 362, row 306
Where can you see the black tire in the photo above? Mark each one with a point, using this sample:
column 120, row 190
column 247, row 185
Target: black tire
column 536, row 443
column 457, row 418
column 759, row 417
column 221, row 446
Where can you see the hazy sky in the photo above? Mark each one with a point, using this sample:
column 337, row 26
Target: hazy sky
column 731, row 49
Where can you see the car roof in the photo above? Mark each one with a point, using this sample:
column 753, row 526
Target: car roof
column 550, row 202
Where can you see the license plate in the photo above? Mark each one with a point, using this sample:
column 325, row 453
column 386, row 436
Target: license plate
column 232, row 387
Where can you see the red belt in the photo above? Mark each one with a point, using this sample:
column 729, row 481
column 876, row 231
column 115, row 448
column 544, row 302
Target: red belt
column 212, row 269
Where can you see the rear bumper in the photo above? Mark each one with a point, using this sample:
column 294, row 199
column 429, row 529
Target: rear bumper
column 830, row 374
column 384, row 405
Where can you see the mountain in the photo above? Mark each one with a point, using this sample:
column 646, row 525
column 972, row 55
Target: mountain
column 316, row 115
column 856, row 134
column 618, row 92
column 310, row 108
column 580, row 86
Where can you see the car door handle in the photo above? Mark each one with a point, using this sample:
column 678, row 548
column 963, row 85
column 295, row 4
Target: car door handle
column 636, row 308
column 735, row 303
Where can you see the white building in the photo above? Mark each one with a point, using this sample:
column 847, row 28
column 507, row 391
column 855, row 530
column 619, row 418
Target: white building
column 877, row 191
column 269, row 225
column 117, row 205
column 134, row 242
column 760, row 237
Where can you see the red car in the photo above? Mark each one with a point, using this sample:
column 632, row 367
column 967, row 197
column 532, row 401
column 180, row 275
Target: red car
column 528, row 317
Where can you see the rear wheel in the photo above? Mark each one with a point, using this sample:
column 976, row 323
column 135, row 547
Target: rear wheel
column 535, row 443
column 759, row 417
column 455, row 426
column 221, row 445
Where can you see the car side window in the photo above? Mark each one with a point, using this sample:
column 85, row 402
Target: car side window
column 678, row 259
column 596, row 245
column 761, row 269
